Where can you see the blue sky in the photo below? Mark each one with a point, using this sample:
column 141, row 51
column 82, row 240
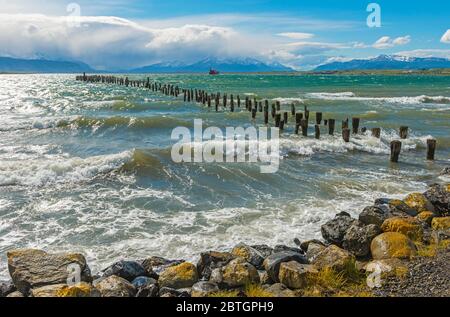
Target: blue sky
column 302, row 34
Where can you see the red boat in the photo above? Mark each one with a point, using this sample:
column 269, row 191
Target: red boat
column 213, row 72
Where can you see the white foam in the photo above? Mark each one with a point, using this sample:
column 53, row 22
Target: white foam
column 422, row 99
column 285, row 101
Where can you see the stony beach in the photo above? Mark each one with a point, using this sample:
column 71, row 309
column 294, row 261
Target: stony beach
column 395, row 248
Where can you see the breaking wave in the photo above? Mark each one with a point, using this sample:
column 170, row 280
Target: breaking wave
column 401, row 100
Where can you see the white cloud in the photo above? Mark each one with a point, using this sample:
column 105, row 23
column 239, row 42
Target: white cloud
column 386, row 42
column 426, row 53
column 446, row 37
column 296, row 35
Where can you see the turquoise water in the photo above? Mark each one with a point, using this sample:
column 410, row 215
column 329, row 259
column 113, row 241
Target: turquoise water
column 87, row 167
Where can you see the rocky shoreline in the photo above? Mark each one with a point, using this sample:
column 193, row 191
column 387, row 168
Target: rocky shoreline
column 394, row 248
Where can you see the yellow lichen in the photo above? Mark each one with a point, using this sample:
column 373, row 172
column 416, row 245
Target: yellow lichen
column 417, row 201
column 406, row 226
column 425, row 216
column 392, row 245
column 79, row 290
column 441, row 223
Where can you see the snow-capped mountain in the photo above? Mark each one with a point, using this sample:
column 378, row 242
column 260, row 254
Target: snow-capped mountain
column 234, row 65
column 16, row 65
column 388, row 62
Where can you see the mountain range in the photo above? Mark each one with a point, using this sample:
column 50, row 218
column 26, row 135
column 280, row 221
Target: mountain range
column 15, row 65
column 385, row 62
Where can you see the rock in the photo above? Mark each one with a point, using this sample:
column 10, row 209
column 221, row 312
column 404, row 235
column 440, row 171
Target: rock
column 143, row 281
column 82, row 289
column 15, row 294
column 264, row 278
column 334, row 258
column 445, row 171
column 204, row 289
column 285, row 248
column 150, row 290
column 295, row 275
column 265, row 250
column 392, row 245
column 374, row 215
column 410, row 227
column 418, row 202
column 217, row 277
column 399, row 207
column 179, row 276
column 6, row 288
column 251, row 255
column 212, row 260
column 358, row 238
column 334, row 230
column 155, row 265
column 128, row 270
column 279, row 290
column 425, row 217
column 115, row 286
column 313, row 250
column 48, row 290
column 170, row 292
column 387, row 267
column 35, row 268
column 272, row 263
column 439, row 198
column 239, row 273
column 305, row 244
column 441, row 223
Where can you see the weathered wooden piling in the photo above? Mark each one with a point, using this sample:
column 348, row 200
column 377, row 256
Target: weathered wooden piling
column 396, row 147
column 319, row 118
column 254, row 113
column 274, row 111
column 298, row 118
column 304, row 126
column 285, row 117
column 293, row 109
column 239, row 101
column 266, row 115
column 355, row 125
column 376, row 132
column 278, row 105
column 260, row 106
column 331, row 125
column 345, row 124
column 317, row 130
column 297, row 128
column 282, row 125
column 431, row 148
column 346, row 135
column 277, row 120
column 403, row 132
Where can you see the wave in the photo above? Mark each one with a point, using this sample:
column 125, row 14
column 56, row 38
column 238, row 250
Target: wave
column 401, row 100
column 286, row 101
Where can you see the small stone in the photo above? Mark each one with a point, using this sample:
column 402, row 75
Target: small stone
column 279, row 290
column 115, row 286
column 128, row 270
column 358, row 238
column 400, row 208
column 170, row 292
column 15, row 294
column 212, row 260
column 6, row 288
column 48, row 290
column 334, row 258
column 204, row 289
column 251, row 255
column 410, row 227
column 78, row 290
column 418, row 202
column 334, row 230
column 295, row 275
column 273, row 262
column 441, row 223
column 392, row 245
column 239, row 273
column 179, row 276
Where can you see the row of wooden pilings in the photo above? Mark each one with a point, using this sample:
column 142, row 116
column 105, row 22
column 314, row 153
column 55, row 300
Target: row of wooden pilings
column 254, row 106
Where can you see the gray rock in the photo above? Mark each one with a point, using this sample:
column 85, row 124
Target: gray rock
column 212, row 260
column 279, row 290
column 115, row 286
column 150, row 290
column 15, row 294
column 439, row 198
column 334, row 230
column 170, row 292
column 6, row 288
column 314, row 249
column 155, row 265
column 272, row 263
column 143, row 281
column 35, row 268
column 204, row 289
column 285, row 248
column 128, row 270
column 395, row 207
column 264, row 249
column 239, row 273
column 445, row 171
column 358, row 238
column 305, row 244
column 374, row 215
column 251, row 255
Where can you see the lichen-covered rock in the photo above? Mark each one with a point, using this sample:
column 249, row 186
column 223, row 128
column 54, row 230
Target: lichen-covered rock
column 279, row 290
column 6, row 288
column 155, row 265
column 425, row 217
column 128, row 270
column 314, row 248
column 204, row 289
column 410, row 227
column 400, row 208
column 374, row 215
column 333, row 258
column 392, row 245
column 272, row 263
column 305, row 244
column 264, row 278
column 251, row 255
column 334, row 230
column 358, row 238
column 418, row 202
column 295, row 275
column 179, row 276
column 212, row 260
column 239, row 273
column 439, row 197
column 31, row 268
column 441, row 223
column 115, row 286
column 48, row 290
column 78, row 290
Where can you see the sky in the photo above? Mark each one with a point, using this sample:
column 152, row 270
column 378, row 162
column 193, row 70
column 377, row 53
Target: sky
column 118, row 34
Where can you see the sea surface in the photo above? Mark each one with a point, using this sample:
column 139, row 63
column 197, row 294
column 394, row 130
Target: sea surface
column 87, row 167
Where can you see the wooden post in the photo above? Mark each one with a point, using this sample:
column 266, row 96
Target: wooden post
column 304, row 125
column 363, row 130
column 239, row 101
column 224, row 100
column 266, row 115
column 376, row 132
column 325, row 122
column 317, row 128
column 277, row 120
column 403, row 132
column 318, row 117
column 232, row 103
column 293, row 109
column 274, row 111
column 254, row 113
column 285, row 117
column 297, row 128
column 346, row 135
column 431, row 148
column 355, row 125
column 298, row 117
column 331, row 123
column 282, row 125
column 209, row 101
column 396, row 147
column 345, row 124
column 260, row 108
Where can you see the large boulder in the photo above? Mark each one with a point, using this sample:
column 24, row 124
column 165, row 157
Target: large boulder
column 441, row 223
column 251, row 255
column 179, row 276
column 239, row 273
column 212, row 260
column 358, row 238
column 333, row 258
column 115, row 286
column 375, row 215
column 272, row 263
column 392, row 245
column 418, row 202
column 295, row 275
column 204, row 289
column 439, row 198
column 410, row 227
column 334, row 230
column 128, row 270
column 31, row 268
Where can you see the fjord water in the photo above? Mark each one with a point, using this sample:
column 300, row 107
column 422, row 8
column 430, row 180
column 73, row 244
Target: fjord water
column 87, row 167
